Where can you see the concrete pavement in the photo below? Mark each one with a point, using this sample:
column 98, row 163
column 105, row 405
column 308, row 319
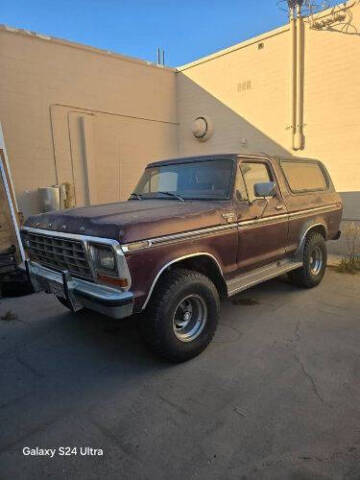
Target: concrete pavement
column 276, row 396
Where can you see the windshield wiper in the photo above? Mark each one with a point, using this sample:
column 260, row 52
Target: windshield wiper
column 173, row 195
column 138, row 196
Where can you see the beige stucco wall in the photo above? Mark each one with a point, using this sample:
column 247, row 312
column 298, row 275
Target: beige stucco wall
column 72, row 113
column 76, row 114
column 238, row 92
column 245, row 91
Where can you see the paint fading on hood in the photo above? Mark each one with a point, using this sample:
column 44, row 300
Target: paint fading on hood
column 134, row 220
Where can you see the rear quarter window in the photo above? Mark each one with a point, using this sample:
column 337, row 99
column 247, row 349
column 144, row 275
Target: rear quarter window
column 304, row 176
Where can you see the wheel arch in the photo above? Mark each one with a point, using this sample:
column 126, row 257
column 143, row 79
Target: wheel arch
column 202, row 262
column 319, row 227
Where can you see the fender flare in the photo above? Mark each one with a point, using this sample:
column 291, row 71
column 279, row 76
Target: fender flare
column 177, row 260
column 307, row 228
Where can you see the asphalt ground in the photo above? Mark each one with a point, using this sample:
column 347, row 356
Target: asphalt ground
column 275, row 396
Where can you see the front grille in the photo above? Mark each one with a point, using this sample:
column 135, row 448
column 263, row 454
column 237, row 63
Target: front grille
column 58, row 253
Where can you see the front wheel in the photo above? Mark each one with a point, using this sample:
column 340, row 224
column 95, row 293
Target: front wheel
column 314, row 260
column 182, row 317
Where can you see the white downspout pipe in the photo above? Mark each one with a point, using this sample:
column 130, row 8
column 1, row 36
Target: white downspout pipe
column 292, row 76
column 299, row 134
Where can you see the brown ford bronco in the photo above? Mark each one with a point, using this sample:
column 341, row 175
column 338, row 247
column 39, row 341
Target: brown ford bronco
column 193, row 231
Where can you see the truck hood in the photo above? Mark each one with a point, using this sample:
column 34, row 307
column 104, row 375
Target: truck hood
column 134, row 220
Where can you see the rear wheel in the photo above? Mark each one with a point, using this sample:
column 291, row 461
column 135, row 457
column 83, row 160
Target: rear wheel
column 182, row 317
column 314, row 260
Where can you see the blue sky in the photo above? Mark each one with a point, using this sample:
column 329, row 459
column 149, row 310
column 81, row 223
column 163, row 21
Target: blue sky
column 185, row 29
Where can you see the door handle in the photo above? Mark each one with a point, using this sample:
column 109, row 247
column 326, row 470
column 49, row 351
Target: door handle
column 279, row 207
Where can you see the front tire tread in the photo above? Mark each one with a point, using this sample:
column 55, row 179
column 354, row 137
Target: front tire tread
column 154, row 327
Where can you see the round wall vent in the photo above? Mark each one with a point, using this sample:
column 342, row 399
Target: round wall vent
column 202, row 128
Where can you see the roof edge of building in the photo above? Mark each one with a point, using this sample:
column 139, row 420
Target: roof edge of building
column 233, row 48
column 80, row 46
column 263, row 36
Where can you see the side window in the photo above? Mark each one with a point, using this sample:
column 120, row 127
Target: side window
column 304, row 176
column 254, row 173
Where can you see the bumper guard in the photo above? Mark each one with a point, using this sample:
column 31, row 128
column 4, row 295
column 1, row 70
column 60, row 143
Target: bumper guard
column 80, row 293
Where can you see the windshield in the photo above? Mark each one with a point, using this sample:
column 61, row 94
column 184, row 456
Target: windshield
column 196, row 180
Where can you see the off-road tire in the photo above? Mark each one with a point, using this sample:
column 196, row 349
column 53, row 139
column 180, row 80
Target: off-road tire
column 307, row 276
column 157, row 323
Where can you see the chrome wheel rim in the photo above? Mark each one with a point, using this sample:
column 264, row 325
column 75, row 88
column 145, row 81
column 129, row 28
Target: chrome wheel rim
column 189, row 318
column 316, row 261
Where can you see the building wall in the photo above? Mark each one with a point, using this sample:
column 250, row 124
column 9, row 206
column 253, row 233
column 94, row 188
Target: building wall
column 75, row 114
column 245, row 91
column 238, row 90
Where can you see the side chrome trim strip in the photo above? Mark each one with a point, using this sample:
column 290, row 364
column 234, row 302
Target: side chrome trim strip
column 191, row 255
column 290, row 216
column 245, row 223
column 179, row 236
column 324, row 209
column 148, row 243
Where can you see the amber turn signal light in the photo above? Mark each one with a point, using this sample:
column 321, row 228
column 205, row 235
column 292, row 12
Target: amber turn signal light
column 116, row 282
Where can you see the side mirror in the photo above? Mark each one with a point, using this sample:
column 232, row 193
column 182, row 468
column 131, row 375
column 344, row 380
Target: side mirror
column 264, row 190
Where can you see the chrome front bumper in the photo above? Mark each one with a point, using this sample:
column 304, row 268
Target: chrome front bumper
column 80, row 293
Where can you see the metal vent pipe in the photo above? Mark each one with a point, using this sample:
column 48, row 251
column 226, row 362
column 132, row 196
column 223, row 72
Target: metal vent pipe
column 299, row 135
column 297, row 74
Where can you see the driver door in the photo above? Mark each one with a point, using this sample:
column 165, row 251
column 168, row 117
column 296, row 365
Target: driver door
column 262, row 222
